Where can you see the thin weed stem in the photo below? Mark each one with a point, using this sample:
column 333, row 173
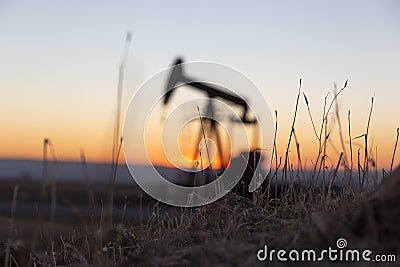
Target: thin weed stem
column 340, row 127
column 107, row 218
column 394, row 150
column 351, row 150
column 290, row 136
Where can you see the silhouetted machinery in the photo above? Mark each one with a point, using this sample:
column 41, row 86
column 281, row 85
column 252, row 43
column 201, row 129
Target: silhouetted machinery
column 179, row 78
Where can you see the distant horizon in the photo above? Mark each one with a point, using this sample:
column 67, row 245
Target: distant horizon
column 123, row 163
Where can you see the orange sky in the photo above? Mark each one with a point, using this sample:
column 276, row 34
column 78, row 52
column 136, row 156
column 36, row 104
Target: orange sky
column 96, row 144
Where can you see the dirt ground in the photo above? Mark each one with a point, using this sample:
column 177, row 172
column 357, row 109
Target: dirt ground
column 228, row 232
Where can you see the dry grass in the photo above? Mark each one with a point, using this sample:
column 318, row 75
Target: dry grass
column 305, row 212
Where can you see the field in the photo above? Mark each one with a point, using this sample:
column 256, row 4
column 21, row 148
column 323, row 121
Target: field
column 228, row 232
column 46, row 223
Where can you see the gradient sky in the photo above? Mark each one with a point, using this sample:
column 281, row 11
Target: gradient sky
column 59, row 64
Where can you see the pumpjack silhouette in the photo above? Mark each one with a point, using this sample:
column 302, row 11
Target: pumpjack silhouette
column 179, row 78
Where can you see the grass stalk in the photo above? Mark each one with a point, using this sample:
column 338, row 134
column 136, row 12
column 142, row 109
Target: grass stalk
column 285, row 165
column 340, row 127
column 107, row 219
column 366, row 156
column 41, row 203
column 394, row 150
column 351, row 149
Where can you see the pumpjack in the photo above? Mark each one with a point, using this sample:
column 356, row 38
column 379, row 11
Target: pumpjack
column 179, row 78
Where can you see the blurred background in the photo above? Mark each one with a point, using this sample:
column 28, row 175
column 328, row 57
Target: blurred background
column 59, row 65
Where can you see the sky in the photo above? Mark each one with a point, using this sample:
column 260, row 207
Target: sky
column 59, row 65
